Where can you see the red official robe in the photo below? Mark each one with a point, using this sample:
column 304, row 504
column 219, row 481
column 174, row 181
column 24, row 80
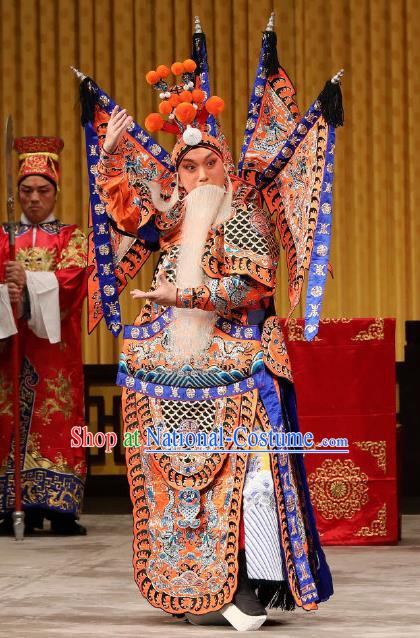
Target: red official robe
column 51, row 390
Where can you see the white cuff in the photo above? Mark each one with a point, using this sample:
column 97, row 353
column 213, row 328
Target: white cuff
column 7, row 322
column 45, row 305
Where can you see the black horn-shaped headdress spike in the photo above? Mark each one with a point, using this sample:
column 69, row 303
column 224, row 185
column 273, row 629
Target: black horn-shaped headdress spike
column 88, row 92
column 270, row 61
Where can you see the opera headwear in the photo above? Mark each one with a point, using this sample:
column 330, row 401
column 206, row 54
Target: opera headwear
column 39, row 156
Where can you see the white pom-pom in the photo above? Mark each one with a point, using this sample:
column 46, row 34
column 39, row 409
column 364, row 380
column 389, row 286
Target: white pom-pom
column 167, row 94
column 171, row 116
column 162, row 96
column 186, row 87
column 195, row 106
column 192, row 136
column 190, row 85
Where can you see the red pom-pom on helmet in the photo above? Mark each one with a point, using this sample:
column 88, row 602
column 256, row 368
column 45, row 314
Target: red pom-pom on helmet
column 174, row 99
column 189, row 65
column 163, row 71
column 152, row 77
column 185, row 96
column 185, row 112
column 177, row 68
column 215, row 105
column 154, row 122
column 198, row 96
column 165, row 107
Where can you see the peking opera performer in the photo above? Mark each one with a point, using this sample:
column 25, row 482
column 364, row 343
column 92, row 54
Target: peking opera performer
column 218, row 536
column 48, row 280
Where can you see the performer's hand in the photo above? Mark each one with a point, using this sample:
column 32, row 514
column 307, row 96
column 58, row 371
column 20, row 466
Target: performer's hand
column 164, row 294
column 15, row 292
column 117, row 126
column 15, row 273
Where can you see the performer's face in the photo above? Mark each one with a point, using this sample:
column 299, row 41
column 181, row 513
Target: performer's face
column 37, row 198
column 199, row 167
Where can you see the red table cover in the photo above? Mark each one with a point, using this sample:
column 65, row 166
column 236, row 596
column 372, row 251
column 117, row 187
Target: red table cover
column 345, row 385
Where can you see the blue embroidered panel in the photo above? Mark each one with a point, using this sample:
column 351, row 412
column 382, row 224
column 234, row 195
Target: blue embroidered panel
column 307, row 587
column 145, row 331
column 323, row 577
column 101, row 227
column 104, row 257
column 29, row 379
column 318, row 268
column 254, row 105
column 190, row 394
column 56, row 491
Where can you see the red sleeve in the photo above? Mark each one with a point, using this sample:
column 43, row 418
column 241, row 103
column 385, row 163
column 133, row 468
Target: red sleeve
column 72, row 273
column 129, row 206
column 4, row 251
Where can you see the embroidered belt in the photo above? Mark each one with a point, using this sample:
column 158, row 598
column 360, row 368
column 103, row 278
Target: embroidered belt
column 191, row 394
column 147, row 330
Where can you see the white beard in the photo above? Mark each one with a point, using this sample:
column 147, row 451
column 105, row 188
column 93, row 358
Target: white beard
column 192, row 329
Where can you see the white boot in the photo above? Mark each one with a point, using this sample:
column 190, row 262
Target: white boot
column 229, row 615
column 240, row 620
column 245, row 612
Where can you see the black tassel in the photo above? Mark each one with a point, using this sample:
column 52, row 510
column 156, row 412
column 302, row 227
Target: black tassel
column 271, row 62
column 332, row 104
column 88, row 96
column 273, row 594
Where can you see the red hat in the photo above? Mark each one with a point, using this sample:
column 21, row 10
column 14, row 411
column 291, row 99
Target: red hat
column 39, row 156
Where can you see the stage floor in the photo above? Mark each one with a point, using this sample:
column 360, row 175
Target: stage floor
column 68, row 587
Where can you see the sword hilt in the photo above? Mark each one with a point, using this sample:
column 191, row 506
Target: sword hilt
column 10, row 228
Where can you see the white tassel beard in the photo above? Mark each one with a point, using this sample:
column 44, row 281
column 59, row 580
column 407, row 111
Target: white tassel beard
column 192, row 329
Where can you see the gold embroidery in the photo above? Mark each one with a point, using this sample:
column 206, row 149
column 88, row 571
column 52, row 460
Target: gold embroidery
column 61, row 464
column 37, row 258
column 53, row 482
column 61, row 400
column 74, row 254
column 338, row 488
column 336, row 320
column 80, row 469
column 377, row 526
column 6, row 391
column 374, row 331
column 34, row 458
column 60, row 497
column 294, row 331
column 377, row 449
column 64, row 492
